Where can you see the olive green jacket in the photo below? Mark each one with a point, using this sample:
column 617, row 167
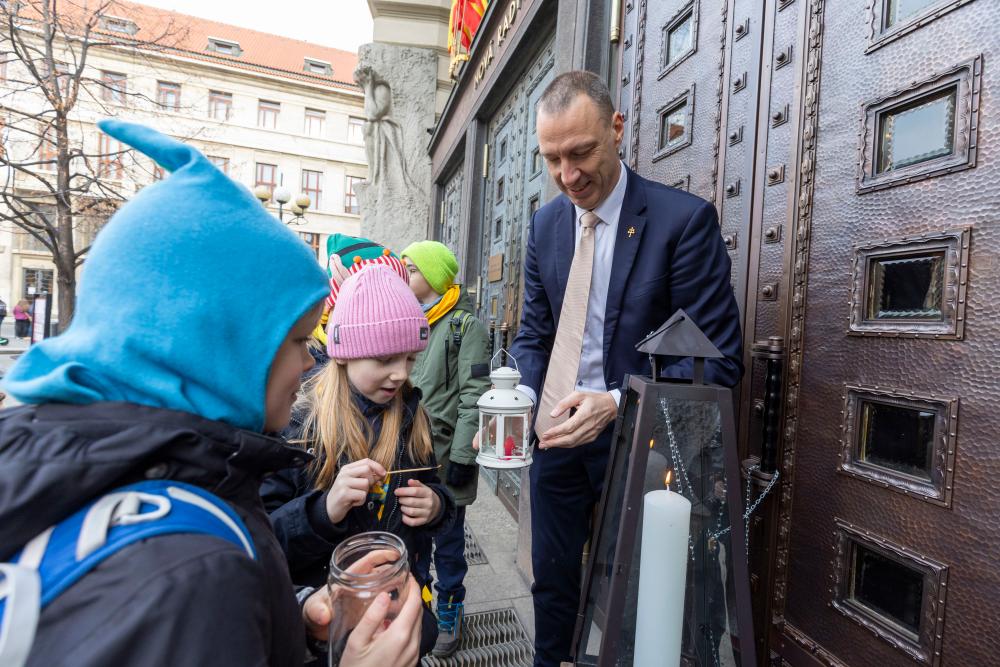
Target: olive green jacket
column 444, row 373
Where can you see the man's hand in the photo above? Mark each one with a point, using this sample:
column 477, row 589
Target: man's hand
column 419, row 503
column 350, row 487
column 594, row 411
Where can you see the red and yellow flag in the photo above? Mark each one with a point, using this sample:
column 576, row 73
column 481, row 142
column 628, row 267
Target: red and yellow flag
column 466, row 15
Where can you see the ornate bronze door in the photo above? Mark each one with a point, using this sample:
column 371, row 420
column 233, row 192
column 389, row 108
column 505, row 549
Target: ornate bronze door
column 888, row 512
column 846, row 148
column 514, row 182
column 450, row 216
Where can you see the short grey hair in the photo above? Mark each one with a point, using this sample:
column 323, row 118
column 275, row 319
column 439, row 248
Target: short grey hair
column 566, row 87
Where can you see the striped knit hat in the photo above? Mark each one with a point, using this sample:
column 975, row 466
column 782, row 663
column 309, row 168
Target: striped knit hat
column 375, row 316
column 346, row 255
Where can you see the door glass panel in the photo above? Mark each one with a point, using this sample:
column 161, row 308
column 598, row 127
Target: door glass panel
column 887, row 587
column 679, row 40
column 898, row 10
column 673, row 124
column 906, row 287
column 917, row 132
column 898, row 438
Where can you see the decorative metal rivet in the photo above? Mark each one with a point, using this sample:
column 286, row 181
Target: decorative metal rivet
column 740, row 29
column 769, row 292
column 736, row 136
column 625, row 80
column 740, row 82
column 628, row 42
column 779, row 116
column 772, row 234
column 783, row 58
column 730, row 241
column 733, row 188
column 776, row 175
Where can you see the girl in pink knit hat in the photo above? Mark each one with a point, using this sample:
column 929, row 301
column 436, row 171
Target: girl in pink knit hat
column 362, row 419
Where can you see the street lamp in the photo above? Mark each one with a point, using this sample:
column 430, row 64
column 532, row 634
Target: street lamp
column 282, row 196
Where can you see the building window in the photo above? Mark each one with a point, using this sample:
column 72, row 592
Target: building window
column 312, row 240
column 220, row 105
column 320, row 67
column 900, row 441
column 891, row 590
column 62, row 76
column 267, row 114
column 116, row 24
column 113, row 87
column 312, row 186
column 351, row 196
column 926, row 130
column 267, row 175
column 37, row 281
column 900, row 10
column 499, row 195
column 918, row 131
column 679, row 38
column 109, row 158
column 221, row 162
column 911, row 287
column 314, row 121
column 224, row 47
column 675, row 128
column 355, row 130
column 48, row 151
column 168, row 95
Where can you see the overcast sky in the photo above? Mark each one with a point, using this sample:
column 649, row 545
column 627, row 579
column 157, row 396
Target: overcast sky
column 343, row 24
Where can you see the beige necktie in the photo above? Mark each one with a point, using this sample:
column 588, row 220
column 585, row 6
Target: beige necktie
column 564, row 362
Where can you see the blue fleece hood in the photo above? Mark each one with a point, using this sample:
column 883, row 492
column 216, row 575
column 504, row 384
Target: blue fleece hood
column 183, row 300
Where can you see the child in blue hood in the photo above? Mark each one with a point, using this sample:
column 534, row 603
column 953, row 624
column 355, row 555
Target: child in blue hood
column 170, row 379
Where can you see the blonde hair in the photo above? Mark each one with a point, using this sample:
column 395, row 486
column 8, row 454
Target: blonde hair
column 335, row 426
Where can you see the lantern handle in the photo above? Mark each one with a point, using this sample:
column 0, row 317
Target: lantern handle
column 504, row 351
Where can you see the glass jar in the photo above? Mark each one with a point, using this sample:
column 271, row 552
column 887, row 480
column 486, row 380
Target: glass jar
column 361, row 567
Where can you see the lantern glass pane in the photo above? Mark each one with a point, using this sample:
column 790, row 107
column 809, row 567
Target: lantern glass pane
column 683, row 438
column 488, row 436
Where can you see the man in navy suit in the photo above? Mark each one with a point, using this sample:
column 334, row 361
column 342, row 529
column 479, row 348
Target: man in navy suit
column 655, row 249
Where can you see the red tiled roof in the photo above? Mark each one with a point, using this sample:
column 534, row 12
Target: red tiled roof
column 189, row 36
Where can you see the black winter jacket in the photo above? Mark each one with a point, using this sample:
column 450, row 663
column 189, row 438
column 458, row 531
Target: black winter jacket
column 298, row 509
column 170, row 600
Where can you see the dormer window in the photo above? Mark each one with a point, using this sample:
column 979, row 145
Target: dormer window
column 320, row 67
column 118, row 24
column 224, row 47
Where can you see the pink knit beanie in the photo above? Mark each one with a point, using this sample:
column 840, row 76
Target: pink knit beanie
column 376, row 315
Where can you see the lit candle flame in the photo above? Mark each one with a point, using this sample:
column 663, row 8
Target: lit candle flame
column 651, row 443
column 668, row 478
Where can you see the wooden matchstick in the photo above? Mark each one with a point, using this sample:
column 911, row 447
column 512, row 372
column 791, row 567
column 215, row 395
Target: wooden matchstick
column 396, row 472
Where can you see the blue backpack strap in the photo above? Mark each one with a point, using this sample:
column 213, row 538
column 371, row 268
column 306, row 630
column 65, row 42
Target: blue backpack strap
column 57, row 558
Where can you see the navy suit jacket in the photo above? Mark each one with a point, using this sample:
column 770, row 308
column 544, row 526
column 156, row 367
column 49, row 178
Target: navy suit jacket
column 668, row 254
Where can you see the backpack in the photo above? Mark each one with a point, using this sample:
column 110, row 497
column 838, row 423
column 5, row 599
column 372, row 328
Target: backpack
column 59, row 556
column 3, row 309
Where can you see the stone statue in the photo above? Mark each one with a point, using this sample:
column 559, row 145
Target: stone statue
column 383, row 135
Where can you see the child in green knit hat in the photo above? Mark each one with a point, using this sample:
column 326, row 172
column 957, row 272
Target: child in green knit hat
column 452, row 373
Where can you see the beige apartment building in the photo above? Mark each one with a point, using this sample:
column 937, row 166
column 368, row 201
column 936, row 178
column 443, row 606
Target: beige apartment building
column 268, row 110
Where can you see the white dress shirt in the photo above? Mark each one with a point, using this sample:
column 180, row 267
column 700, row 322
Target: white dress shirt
column 590, row 376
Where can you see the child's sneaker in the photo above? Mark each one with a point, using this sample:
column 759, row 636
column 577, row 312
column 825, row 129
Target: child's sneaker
column 450, row 616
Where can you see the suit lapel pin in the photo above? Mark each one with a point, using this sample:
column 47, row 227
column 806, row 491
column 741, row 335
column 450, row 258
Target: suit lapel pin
column 631, row 232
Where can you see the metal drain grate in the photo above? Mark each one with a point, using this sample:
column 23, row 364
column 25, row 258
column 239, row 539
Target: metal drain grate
column 473, row 554
column 489, row 639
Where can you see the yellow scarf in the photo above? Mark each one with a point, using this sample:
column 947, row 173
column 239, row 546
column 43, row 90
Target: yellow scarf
column 447, row 302
column 319, row 333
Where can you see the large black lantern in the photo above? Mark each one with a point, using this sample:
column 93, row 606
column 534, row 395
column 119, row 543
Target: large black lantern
column 667, row 581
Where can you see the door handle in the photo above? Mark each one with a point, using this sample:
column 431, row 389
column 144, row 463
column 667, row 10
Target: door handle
column 772, row 351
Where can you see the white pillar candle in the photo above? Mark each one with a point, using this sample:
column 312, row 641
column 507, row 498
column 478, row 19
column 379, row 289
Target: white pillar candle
column 662, row 575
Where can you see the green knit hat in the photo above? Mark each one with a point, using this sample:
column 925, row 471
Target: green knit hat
column 435, row 261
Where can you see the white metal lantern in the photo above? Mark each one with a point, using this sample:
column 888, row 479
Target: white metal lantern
column 504, row 421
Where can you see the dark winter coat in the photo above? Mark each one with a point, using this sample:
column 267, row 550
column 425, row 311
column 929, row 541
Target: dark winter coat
column 452, row 377
column 169, row 600
column 298, row 509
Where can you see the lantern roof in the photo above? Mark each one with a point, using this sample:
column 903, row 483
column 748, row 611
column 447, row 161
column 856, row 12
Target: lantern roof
column 679, row 336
